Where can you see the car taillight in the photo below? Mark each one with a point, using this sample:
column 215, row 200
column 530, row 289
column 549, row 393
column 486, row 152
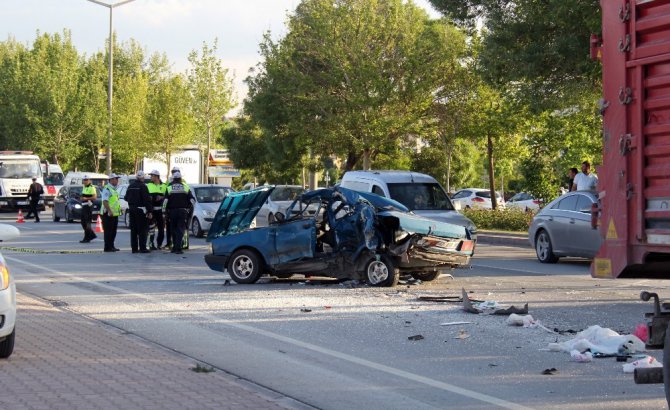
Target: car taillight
column 51, row 190
column 537, row 201
column 477, row 199
column 467, row 246
column 4, row 277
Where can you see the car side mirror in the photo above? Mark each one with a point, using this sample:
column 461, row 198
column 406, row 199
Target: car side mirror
column 280, row 217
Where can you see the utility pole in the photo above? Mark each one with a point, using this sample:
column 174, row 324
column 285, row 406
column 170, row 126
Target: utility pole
column 111, row 7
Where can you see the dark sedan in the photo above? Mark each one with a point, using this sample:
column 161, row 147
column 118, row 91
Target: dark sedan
column 67, row 204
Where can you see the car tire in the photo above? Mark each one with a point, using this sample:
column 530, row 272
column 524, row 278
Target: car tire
column 271, row 218
column 68, row 218
column 196, row 229
column 126, row 220
column 381, row 272
column 426, row 276
column 245, row 266
column 543, row 248
column 53, row 215
column 7, row 345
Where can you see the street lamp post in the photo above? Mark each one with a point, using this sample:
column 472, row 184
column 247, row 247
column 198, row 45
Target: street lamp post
column 111, row 7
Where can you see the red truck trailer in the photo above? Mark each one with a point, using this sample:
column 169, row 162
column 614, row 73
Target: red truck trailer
column 634, row 180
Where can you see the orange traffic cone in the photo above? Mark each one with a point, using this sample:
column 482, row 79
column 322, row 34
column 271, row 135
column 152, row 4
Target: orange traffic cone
column 20, row 219
column 98, row 225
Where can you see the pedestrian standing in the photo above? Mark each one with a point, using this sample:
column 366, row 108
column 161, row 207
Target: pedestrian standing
column 88, row 194
column 111, row 212
column 585, row 180
column 157, row 190
column 139, row 209
column 572, row 173
column 168, row 225
column 35, row 193
column 177, row 203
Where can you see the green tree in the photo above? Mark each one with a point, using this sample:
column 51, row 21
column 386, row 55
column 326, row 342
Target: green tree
column 211, row 92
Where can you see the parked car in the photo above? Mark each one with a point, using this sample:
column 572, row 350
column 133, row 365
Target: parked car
column 125, row 218
column 208, row 198
column 476, row 198
column 524, row 202
column 67, row 204
column 7, row 297
column 77, row 178
column 278, row 201
column 563, row 228
column 352, row 235
column 420, row 193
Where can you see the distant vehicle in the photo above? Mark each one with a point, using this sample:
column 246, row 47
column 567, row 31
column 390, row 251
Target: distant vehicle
column 125, row 218
column 77, row 178
column 17, row 169
column 67, row 204
column 563, row 228
column 278, row 201
column 421, row 193
column 7, row 297
column 53, row 181
column 524, row 202
column 208, row 198
column 352, row 235
column 476, row 198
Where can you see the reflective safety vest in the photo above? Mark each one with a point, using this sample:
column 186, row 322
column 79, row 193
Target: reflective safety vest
column 156, row 190
column 88, row 190
column 178, row 195
column 114, row 203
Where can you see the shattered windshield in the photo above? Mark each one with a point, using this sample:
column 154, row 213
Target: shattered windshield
column 25, row 168
column 421, row 197
column 210, row 195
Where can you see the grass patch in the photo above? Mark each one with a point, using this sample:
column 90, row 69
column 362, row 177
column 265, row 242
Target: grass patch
column 513, row 220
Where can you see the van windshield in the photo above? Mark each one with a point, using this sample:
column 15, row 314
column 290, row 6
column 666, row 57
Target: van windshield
column 421, row 197
column 20, row 168
column 54, row 179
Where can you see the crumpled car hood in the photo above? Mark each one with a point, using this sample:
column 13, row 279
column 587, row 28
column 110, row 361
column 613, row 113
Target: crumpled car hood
column 237, row 211
column 421, row 225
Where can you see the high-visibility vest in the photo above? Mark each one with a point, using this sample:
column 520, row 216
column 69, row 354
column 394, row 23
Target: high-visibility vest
column 114, row 203
column 88, row 190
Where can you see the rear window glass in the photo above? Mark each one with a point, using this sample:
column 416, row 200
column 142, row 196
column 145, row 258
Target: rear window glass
column 286, row 193
column 415, row 196
column 483, row 194
column 583, row 203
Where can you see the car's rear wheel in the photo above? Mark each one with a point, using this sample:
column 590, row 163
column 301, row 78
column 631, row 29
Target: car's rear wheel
column 68, row 218
column 381, row 272
column 543, row 248
column 7, row 345
column 196, row 229
column 245, row 266
column 426, row 276
column 54, row 217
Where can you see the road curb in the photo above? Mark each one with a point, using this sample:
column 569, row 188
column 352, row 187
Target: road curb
column 503, row 239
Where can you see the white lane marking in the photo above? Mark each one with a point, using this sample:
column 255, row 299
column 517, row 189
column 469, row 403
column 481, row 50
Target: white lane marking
column 509, row 269
column 299, row 343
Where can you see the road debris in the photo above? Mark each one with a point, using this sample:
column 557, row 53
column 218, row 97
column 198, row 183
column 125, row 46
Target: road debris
column 467, row 304
column 644, row 363
column 581, row 357
column 305, row 310
column 462, row 334
column 455, row 323
column 415, row 337
column 600, row 340
column 513, row 310
column 642, row 332
column 550, row 372
column 520, row 320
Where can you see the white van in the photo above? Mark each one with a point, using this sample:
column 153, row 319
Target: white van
column 76, row 178
column 53, row 181
column 421, row 193
column 17, row 169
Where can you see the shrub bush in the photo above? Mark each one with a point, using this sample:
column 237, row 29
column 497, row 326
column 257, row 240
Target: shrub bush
column 501, row 219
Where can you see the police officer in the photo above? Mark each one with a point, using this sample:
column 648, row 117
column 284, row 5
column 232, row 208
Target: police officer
column 178, row 203
column 110, row 212
column 157, row 190
column 88, row 195
column 139, row 209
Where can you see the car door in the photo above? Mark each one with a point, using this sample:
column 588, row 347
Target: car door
column 562, row 213
column 294, row 239
column 585, row 241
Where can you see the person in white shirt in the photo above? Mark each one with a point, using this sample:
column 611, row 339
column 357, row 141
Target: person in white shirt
column 585, row 180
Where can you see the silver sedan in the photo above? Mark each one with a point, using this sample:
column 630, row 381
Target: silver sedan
column 563, row 228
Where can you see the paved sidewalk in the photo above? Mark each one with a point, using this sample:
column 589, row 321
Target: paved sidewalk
column 62, row 360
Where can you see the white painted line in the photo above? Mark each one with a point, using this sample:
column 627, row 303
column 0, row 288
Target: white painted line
column 299, row 343
column 509, row 269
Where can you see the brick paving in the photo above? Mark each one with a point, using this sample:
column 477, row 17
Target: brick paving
column 62, row 360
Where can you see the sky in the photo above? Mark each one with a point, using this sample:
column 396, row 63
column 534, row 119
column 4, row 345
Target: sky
column 175, row 27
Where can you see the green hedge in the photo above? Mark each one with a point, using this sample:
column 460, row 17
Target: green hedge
column 500, row 219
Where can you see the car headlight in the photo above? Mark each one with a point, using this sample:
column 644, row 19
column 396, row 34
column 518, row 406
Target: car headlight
column 4, row 277
column 77, row 206
column 209, row 214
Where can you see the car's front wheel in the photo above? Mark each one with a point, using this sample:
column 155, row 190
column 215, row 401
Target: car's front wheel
column 68, row 218
column 381, row 272
column 7, row 345
column 543, row 248
column 126, row 219
column 245, row 266
column 196, row 229
column 426, row 276
column 54, row 217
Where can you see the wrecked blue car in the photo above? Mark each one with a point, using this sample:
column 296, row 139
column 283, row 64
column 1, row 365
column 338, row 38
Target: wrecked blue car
column 333, row 232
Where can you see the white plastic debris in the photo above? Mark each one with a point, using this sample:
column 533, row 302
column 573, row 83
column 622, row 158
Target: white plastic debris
column 454, row 323
column 643, row 363
column 599, row 340
column 581, row 357
column 520, row 320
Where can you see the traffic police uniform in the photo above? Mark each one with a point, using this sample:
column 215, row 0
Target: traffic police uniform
column 157, row 192
column 178, row 203
column 88, row 195
column 139, row 209
column 110, row 222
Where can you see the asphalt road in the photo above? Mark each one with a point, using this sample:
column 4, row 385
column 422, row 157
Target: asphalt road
column 351, row 349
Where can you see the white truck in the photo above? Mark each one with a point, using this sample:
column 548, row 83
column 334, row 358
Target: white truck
column 17, row 169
